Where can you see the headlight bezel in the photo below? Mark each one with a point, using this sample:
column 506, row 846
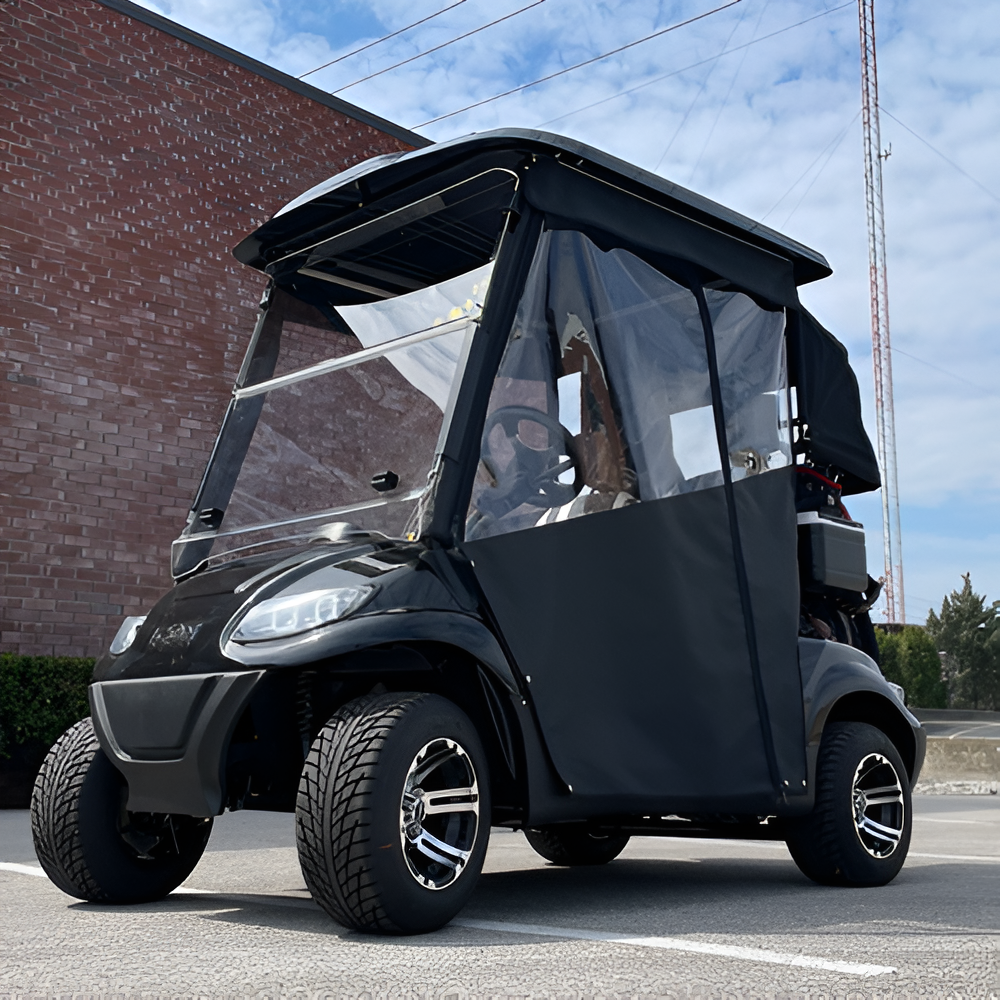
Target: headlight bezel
column 289, row 616
column 126, row 634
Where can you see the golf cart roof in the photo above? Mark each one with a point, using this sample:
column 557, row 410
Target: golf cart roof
column 424, row 200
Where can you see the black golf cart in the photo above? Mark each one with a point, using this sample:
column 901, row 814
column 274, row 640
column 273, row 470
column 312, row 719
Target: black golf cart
column 527, row 510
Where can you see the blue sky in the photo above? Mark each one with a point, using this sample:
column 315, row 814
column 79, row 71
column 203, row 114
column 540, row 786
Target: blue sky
column 772, row 130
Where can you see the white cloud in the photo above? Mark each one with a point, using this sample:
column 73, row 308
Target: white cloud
column 752, row 135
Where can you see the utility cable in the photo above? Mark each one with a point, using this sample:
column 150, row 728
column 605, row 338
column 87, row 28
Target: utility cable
column 586, row 62
column 835, row 141
column 698, row 93
column 943, row 371
column 826, row 163
column 729, row 92
column 384, row 38
column 964, row 173
column 683, row 69
column 443, row 45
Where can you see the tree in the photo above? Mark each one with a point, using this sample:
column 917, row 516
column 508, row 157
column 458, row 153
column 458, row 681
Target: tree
column 910, row 659
column 967, row 631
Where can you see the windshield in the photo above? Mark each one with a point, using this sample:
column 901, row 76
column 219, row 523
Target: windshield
column 338, row 415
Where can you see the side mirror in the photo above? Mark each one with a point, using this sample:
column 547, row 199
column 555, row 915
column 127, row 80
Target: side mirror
column 385, row 481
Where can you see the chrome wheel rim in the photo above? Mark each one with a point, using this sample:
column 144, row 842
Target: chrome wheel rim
column 877, row 805
column 439, row 813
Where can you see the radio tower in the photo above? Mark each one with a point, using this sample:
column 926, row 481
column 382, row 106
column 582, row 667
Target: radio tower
column 881, row 356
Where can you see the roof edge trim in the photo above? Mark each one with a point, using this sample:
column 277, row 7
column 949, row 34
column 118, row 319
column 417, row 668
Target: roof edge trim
column 261, row 69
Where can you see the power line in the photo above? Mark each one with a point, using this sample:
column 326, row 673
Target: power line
column 809, row 186
column 944, row 371
column 725, row 100
column 586, row 62
column 836, row 139
column 698, row 93
column 443, row 45
column 384, row 38
column 683, row 69
column 943, row 157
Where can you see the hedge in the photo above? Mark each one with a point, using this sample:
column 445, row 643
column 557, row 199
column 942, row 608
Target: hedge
column 910, row 658
column 40, row 698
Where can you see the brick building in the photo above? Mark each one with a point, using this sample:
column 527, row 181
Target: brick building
column 135, row 155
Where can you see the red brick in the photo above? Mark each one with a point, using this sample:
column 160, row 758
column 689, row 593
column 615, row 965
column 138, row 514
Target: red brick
column 132, row 163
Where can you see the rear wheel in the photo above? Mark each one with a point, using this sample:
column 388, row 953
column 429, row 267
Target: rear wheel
column 393, row 813
column 90, row 845
column 859, row 830
column 575, row 845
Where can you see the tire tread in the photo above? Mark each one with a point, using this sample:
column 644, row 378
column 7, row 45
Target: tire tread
column 816, row 842
column 332, row 809
column 55, row 808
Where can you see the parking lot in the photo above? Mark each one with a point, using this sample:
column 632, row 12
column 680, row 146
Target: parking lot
column 670, row 917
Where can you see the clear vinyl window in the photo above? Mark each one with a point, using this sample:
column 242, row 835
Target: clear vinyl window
column 603, row 398
column 340, row 411
column 750, row 347
column 320, row 442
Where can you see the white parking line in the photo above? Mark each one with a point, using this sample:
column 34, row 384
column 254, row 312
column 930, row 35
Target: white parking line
column 681, row 944
column 968, row 822
column 989, row 858
column 10, row 866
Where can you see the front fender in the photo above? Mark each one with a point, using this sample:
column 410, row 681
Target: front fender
column 841, row 682
column 364, row 631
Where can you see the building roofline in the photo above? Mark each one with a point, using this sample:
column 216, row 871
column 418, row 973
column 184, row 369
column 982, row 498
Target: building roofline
column 267, row 72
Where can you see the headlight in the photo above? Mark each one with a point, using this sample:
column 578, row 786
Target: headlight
column 126, row 634
column 282, row 616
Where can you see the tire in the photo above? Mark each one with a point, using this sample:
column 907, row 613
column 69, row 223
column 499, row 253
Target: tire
column 850, row 839
column 575, row 845
column 363, row 846
column 89, row 845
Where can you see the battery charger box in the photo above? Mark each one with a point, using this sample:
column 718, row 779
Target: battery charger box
column 832, row 552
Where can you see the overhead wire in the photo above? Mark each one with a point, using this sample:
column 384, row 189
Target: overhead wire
column 934, row 149
column 944, row 371
column 384, row 38
column 443, row 45
column 729, row 92
column 809, row 186
column 835, row 142
column 683, row 69
column 580, row 65
column 698, row 93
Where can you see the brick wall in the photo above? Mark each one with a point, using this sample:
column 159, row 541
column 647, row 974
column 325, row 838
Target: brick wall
column 131, row 161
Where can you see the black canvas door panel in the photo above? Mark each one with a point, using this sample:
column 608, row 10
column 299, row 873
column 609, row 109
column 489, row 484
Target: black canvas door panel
column 630, row 626
column 766, row 512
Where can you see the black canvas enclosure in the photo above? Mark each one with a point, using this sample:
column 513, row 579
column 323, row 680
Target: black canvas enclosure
column 527, row 506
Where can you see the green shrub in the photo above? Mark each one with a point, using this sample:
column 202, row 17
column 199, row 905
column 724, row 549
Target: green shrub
column 40, row 698
column 967, row 631
column 910, row 658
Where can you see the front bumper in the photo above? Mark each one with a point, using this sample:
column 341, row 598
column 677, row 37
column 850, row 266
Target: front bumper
column 169, row 736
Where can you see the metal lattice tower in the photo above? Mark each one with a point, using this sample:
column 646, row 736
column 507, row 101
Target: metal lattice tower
column 881, row 352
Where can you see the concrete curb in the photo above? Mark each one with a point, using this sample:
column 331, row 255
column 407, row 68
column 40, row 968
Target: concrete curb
column 960, row 767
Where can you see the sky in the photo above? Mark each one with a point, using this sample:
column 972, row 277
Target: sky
column 767, row 122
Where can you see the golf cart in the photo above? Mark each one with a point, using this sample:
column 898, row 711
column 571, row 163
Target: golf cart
column 527, row 510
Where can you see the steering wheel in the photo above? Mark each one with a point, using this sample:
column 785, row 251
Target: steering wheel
column 532, row 475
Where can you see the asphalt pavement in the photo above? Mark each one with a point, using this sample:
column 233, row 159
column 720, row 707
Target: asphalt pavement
column 670, row 917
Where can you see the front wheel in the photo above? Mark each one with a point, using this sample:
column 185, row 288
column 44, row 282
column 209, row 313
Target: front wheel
column 90, row 845
column 573, row 845
column 393, row 813
column 859, row 830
